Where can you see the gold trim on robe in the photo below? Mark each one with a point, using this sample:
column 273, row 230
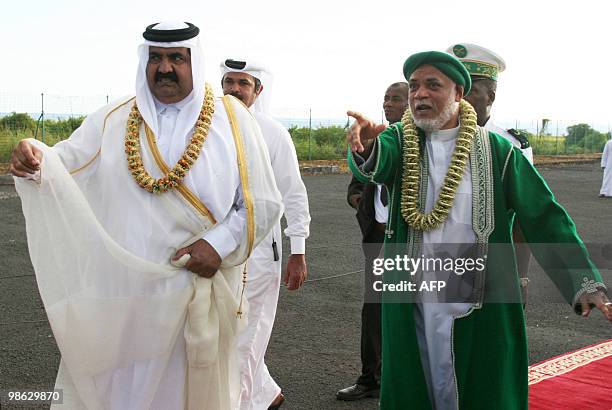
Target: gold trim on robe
column 88, row 163
column 242, row 167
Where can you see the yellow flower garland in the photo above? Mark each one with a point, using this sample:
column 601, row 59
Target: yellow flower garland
column 411, row 179
column 173, row 178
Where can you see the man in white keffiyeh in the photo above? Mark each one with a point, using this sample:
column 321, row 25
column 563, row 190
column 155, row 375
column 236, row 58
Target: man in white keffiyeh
column 138, row 228
column 251, row 82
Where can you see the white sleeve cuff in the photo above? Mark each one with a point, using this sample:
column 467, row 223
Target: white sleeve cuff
column 221, row 239
column 298, row 245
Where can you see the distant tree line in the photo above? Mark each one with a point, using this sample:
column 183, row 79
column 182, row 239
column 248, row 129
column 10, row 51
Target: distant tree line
column 582, row 135
column 580, row 139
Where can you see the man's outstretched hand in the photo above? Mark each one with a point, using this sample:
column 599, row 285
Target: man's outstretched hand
column 601, row 302
column 25, row 160
column 204, row 261
column 362, row 132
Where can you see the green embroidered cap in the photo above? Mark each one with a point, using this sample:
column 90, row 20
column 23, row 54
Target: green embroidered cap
column 479, row 61
column 448, row 64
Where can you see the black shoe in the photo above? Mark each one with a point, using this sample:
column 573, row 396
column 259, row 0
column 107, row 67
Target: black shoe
column 358, row 392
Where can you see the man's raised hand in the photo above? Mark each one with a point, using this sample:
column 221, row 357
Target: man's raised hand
column 25, row 160
column 362, row 132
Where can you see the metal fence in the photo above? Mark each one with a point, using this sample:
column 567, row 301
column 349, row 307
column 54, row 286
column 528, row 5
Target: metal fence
column 51, row 118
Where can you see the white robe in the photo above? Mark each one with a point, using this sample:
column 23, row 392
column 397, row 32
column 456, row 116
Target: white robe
column 135, row 332
column 606, row 164
column 434, row 321
column 258, row 388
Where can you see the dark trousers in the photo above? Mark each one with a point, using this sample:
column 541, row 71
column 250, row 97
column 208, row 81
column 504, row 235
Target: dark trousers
column 370, row 317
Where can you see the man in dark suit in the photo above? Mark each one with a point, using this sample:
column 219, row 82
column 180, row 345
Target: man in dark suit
column 370, row 201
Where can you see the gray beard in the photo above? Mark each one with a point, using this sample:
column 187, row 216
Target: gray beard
column 435, row 124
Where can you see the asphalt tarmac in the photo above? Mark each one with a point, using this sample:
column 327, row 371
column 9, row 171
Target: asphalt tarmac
column 314, row 350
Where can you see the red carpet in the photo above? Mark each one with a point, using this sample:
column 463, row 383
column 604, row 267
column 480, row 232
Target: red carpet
column 580, row 380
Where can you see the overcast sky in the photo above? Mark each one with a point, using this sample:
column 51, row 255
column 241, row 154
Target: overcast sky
column 326, row 55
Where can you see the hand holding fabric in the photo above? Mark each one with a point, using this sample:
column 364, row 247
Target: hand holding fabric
column 204, row 260
column 362, row 132
column 296, row 272
column 25, row 160
column 599, row 300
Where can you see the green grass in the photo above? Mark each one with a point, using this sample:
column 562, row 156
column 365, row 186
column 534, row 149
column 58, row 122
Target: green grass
column 548, row 145
column 551, row 145
column 325, row 143
column 17, row 126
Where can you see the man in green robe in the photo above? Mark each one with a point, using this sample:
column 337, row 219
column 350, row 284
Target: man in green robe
column 452, row 182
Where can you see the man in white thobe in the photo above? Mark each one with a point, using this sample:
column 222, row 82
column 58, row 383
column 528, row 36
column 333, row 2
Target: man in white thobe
column 138, row 260
column 606, row 165
column 251, row 83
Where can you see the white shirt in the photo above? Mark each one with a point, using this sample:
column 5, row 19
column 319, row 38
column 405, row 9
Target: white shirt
column 166, row 120
column 458, row 227
column 381, row 212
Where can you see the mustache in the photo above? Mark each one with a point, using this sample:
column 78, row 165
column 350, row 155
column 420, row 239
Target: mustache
column 424, row 103
column 169, row 76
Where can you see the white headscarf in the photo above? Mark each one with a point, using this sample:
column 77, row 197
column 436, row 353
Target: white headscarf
column 259, row 71
column 189, row 113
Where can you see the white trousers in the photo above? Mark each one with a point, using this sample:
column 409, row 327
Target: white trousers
column 258, row 388
column 434, row 325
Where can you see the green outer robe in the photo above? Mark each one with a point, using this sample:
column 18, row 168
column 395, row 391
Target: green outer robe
column 489, row 343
